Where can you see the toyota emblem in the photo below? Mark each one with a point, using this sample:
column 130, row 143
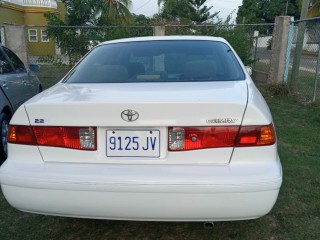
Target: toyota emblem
column 129, row 115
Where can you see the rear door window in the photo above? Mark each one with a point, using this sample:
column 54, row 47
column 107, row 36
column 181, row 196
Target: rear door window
column 16, row 62
column 5, row 66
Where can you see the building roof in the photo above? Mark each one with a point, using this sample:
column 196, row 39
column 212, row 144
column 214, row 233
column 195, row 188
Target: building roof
column 34, row 3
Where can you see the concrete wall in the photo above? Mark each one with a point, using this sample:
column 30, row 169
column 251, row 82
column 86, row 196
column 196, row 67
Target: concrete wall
column 16, row 41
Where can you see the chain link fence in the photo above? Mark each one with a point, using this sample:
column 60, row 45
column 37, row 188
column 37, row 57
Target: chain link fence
column 252, row 42
column 58, row 48
column 304, row 62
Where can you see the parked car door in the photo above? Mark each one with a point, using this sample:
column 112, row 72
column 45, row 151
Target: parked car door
column 27, row 88
column 9, row 81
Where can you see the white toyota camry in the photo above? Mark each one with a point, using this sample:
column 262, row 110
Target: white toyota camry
column 154, row 128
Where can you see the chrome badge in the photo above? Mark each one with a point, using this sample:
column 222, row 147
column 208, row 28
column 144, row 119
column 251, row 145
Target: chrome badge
column 222, row 120
column 129, row 115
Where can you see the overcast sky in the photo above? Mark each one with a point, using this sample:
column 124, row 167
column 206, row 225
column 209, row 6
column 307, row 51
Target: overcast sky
column 150, row 7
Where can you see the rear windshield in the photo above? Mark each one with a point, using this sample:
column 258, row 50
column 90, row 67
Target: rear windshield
column 158, row 61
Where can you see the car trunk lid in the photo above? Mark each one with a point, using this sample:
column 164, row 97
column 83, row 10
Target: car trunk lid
column 159, row 106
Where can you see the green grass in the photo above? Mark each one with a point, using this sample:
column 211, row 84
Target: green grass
column 295, row 216
column 303, row 88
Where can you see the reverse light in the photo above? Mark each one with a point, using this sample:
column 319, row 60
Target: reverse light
column 81, row 138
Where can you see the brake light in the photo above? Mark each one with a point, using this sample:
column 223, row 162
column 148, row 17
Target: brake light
column 82, row 138
column 190, row 138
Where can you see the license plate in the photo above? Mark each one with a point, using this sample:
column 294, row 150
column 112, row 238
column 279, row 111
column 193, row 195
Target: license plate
column 133, row 143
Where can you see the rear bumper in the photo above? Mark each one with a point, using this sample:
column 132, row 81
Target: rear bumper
column 140, row 192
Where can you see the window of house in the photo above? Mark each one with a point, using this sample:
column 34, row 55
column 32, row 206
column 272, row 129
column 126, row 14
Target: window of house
column 33, row 35
column 44, row 36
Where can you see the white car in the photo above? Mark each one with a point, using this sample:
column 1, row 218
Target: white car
column 154, row 128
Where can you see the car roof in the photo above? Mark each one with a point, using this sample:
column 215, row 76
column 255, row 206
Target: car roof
column 166, row 38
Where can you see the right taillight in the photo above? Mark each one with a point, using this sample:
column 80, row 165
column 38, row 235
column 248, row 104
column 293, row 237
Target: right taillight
column 192, row 138
column 256, row 136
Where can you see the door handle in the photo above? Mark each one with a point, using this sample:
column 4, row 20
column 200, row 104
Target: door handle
column 5, row 85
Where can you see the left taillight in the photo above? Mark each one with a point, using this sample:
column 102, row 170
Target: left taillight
column 81, row 138
column 21, row 135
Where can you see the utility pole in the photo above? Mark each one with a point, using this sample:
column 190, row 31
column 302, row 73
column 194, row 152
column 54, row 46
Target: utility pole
column 286, row 14
column 299, row 44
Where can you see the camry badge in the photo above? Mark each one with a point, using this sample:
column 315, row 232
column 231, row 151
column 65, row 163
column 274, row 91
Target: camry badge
column 222, row 120
column 129, row 115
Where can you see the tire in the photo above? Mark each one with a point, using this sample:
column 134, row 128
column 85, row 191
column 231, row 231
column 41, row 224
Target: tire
column 4, row 124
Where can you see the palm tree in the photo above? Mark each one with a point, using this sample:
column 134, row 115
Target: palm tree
column 117, row 11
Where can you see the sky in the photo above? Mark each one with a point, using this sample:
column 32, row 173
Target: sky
column 150, row 7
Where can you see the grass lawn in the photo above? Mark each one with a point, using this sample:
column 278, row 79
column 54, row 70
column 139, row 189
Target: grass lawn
column 49, row 75
column 296, row 214
column 303, row 87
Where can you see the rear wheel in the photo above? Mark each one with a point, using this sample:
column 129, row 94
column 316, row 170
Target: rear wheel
column 4, row 123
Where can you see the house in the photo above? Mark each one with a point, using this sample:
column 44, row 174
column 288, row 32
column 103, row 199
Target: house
column 30, row 13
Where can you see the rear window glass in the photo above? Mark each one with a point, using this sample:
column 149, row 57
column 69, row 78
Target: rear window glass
column 158, row 61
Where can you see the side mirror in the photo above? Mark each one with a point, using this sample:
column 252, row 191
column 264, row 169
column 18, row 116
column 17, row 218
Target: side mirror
column 34, row 67
column 249, row 70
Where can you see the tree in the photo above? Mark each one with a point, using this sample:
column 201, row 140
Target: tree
column 186, row 11
column 265, row 11
column 314, row 10
column 117, row 12
column 201, row 13
column 76, row 41
column 178, row 10
column 82, row 12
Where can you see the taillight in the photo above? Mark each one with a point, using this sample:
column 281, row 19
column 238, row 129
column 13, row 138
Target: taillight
column 190, row 138
column 256, row 136
column 82, row 138
column 21, row 135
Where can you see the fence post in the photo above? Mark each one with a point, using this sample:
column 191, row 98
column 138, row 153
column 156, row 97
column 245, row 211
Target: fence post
column 316, row 76
column 159, row 31
column 256, row 39
column 279, row 49
column 299, row 44
column 288, row 56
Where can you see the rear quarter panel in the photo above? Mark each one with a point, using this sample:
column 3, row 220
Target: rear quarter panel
column 257, row 111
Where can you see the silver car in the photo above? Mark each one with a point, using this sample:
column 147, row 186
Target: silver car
column 17, row 84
